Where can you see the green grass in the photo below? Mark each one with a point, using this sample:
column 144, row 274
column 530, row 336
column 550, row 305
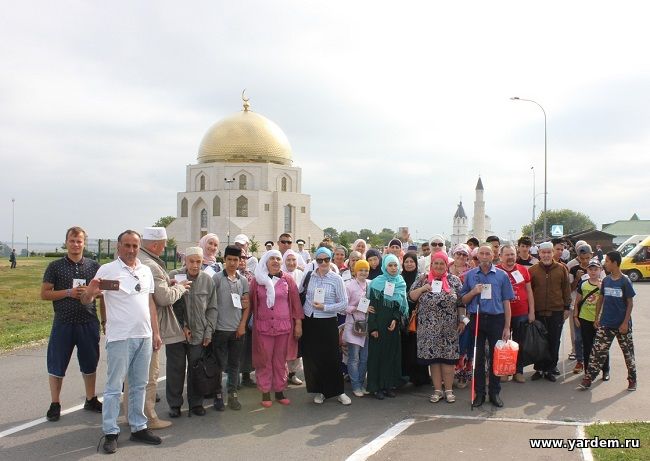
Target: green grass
column 621, row 431
column 24, row 317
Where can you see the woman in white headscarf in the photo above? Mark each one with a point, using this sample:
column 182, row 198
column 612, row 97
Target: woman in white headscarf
column 361, row 246
column 275, row 304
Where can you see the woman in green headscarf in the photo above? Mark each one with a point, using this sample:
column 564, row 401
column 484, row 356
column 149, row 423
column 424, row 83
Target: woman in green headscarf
column 389, row 306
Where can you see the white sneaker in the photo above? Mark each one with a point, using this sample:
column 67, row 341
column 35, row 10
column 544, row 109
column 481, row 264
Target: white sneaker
column 358, row 392
column 344, row 399
column 295, row 380
column 365, row 392
column 319, row 398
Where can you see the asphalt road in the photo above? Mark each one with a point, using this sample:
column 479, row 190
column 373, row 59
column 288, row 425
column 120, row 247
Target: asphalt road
column 331, row 431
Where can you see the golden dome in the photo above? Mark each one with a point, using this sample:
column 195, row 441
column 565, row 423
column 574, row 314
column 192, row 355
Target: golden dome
column 245, row 137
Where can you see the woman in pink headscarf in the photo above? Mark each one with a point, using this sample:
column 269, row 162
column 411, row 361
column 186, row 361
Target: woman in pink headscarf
column 210, row 245
column 440, row 320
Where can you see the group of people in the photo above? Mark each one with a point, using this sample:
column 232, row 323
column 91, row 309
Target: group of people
column 380, row 319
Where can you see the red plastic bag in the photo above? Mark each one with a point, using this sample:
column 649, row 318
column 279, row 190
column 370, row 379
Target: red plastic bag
column 504, row 358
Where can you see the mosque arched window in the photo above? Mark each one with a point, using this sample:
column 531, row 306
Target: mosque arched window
column 287, row 219
column 202, row 183
column 284, row 184
column 242, row 182
column 242, row 207
column 216, row 206
column 204, row 218
column 184, row 208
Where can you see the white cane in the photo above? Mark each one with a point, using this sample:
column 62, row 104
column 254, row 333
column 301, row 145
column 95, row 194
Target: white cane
column 478, row 308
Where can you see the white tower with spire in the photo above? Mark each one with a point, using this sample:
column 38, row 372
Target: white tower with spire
column 478, row 223
column 460, row 226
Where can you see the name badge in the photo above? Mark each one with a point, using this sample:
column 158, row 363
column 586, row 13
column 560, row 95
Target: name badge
column 363, row 305
column 585, row 277
column 487, row 291
column 209, row 270
column 389, row 289
column 236, row 300
column 517, row 276
column 319, row 295
column 346, row 275
column 78, row 283
column 180, row 278
column 436, row 286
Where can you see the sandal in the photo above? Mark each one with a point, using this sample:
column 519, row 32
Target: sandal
column 449, row 395
column 436, row 396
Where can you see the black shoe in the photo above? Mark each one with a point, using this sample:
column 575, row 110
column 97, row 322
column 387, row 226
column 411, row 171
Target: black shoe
column 478, row 400
column 93, row 405
column 198, row 410
column 233, row 401
column 145, row 436
column 556, row 372
column 379, row 395
column 496, row 400
column 174, row 412
column 218, row 403
column 247, row 382
column 389, row 393
column 537, row 376
column 110, row 443
column 605, row 376
column 550, row 376
column 54, row 413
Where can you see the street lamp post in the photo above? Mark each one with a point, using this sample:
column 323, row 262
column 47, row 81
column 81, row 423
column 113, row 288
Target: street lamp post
column 229, row 181
column 532, row 223
column 515, row 98
column 27, row 237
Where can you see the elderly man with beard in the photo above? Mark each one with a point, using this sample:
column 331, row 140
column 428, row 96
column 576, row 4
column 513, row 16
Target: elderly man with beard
column 166, row 293
column 522, row 307
column 196, row 311
column 487, row 292
column 552, row 293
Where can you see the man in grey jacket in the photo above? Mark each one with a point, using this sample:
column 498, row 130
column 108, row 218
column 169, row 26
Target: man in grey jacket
column 165, row 294
column 197, row 312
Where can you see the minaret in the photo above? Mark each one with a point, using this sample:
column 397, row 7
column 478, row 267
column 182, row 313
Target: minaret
column 478, row 223
column 459, row 227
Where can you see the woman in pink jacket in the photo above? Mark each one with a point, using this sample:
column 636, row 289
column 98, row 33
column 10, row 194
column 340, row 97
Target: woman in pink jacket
column 278, row 315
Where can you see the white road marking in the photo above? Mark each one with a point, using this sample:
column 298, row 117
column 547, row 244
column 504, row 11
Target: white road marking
column 585, row 452
column 38, row 421
column 375, row 445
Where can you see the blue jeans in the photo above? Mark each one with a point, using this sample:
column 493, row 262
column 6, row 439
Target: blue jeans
column 577, row 341
column 357, row 364
column 129, row 357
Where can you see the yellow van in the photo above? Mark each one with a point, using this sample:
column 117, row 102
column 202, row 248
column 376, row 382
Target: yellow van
column 636, row 264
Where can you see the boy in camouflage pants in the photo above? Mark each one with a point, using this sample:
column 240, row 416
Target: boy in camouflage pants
column 613, row 319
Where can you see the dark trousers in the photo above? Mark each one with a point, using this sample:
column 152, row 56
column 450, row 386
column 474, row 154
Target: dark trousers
column 588, row 332
column 515, row 326
column 553, row 324
column 490, row 330
column 228, row 350
column 180, row 355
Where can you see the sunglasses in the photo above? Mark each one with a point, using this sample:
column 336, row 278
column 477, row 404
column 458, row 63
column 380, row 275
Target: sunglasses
column 322, row 260
column 438, row 244
column 460, row 254
column 286, row 242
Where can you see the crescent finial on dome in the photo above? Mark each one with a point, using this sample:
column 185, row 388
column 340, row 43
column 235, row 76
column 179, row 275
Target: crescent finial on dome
column 247, row 105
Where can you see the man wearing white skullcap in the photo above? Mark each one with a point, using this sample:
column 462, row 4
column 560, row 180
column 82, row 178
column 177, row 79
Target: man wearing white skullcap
column 166, row 293
column 552, row 294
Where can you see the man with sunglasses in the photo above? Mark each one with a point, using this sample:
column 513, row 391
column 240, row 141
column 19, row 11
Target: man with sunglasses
column 166, row 293
column 131, row 335
column 285, row 241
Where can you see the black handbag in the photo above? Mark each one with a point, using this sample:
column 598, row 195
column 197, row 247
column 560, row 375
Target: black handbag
column 205, row 372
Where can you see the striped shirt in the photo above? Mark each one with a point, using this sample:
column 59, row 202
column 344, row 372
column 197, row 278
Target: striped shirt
column 336, row 297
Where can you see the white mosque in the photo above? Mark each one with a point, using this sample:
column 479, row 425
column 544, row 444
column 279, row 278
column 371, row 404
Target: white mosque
column 481, row 222
column 243, row 183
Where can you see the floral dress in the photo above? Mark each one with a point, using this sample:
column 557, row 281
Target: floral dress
column 437, row 333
